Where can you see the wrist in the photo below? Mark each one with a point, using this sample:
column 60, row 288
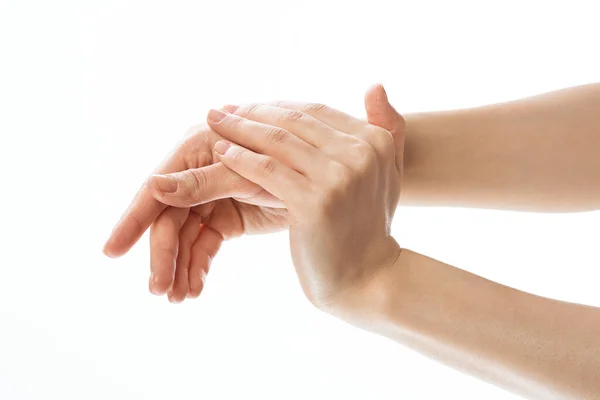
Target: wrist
column 425, row 158
column 366, row 303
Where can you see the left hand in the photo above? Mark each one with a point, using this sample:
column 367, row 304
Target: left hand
column 339, row 179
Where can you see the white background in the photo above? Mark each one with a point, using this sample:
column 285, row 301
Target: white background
column 94, row 94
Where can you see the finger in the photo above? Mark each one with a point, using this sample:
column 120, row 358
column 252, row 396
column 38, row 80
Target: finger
column 337, row 119
column 164, row 248
column 144, row 208
column 381, row 113
column 203, row 252
column 187, row 236
column 133, row 223
column 281, row 181
column 343, row 145
column 197, row 186
column 375, row 136
column 300, row 124
column 203, row 249
column 289, row 148
column 180, row 287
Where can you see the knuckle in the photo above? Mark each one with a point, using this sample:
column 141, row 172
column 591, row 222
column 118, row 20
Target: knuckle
column 163, row 249
column 234, row 121
column 325, row 202
column 291, row 115
column 197, row 182
column 238, row 154
column 364, row 155
column 249, row 109
column 140, row 227
column 381, row 139
column 277, row 135
column 339, row 185
column 314, row 108
column 340, row 176
column 278, row 103
column 267, row 166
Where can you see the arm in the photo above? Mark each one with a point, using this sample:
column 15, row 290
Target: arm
column 340, row 197
column 534, row 346
column 539, row 154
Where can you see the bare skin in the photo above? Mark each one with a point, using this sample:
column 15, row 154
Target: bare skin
column 536, row 154
column 532, row 154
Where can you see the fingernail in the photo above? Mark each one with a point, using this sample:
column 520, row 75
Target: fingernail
column 221, row 147
column 172, row 299
column 153, row 285
column 216, row 115
column 230, row 108
column 166, row 184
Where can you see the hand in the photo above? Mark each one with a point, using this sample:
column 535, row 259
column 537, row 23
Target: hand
column 180, row 244
column 339, row 180
column 183, row 241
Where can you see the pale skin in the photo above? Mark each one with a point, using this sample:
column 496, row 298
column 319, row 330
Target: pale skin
column 335, row 182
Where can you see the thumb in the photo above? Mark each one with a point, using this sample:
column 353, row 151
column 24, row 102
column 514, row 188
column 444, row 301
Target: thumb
column 196, row 186
column 381, row 113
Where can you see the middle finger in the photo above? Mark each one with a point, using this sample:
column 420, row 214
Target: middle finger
column 272, row 140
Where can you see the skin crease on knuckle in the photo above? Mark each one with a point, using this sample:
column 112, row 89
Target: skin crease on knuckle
column 249, row 110
column 233, row 122
column 238, row 155
column 314, row 108
column 199, row 182
column 196, row 138
column 266, row 166
column 277, row 136
column 291, row 116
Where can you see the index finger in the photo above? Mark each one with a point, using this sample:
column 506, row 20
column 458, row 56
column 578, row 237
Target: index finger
column 144, row 208
column 140, row 214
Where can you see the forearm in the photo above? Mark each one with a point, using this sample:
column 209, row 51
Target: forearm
column 540, row 153
column 533, row 346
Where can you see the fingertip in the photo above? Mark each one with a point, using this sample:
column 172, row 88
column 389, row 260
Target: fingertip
column 196, row 285
column 376, row 87
column 221, row 147
column 376, row 95
column 157, row 285
column 382, row 96
column 158, row 290
column 193, row 294
column 175, row 298
column 164, row 184
column 107, row 251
